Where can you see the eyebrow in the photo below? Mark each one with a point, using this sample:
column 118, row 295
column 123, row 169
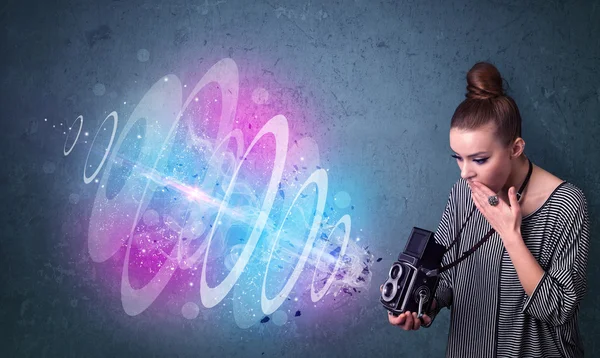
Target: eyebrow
column 472, row 155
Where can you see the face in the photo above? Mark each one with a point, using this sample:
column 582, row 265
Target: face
column 481, row 157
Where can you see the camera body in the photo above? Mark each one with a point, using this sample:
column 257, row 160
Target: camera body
column 409, row 287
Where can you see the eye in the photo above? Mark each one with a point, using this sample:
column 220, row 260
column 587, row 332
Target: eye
column 480, row 161
column 456, row 157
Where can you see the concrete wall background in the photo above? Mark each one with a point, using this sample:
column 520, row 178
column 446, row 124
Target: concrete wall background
column 373, row 83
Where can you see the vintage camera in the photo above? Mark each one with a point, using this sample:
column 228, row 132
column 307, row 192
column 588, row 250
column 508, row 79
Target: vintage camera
column 413, row 279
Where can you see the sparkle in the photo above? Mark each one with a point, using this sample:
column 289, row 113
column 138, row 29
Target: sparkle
column 182, row 189
column 45, row 119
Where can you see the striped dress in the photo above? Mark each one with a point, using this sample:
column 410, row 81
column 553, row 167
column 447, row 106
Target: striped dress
column 491, row 315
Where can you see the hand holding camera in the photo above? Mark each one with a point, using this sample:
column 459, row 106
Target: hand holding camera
column 409, row 321
column 408, row 293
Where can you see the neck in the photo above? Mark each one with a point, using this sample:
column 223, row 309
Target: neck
column 518, row 172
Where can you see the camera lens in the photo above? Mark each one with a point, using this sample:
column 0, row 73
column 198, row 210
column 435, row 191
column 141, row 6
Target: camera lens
column 388, row 289
column 395, row 271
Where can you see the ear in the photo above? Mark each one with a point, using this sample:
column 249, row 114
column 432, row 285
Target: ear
column 517, row 148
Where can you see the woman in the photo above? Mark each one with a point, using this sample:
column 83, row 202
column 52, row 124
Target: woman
column 518, row 294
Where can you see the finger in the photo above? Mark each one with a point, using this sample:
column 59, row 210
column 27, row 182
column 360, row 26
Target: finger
column 477, row 193
column 401, row 319
column 416, row 321
column 512, row 197
column 483, row 189
column 482, row 194
column 393, row 319
column 408, row 324
column 477, row 201
column 396, row 320
column 426, row 320
column 475, row 197
column 473, row 187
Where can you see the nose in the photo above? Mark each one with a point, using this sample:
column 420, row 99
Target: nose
column 466, row 171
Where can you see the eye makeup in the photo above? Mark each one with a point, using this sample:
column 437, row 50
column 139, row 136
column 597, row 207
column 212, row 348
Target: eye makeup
column 478, row 161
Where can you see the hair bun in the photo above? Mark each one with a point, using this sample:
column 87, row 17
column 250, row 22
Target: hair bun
column 484, row 82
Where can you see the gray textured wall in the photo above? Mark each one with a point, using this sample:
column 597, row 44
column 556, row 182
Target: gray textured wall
column 376, row 84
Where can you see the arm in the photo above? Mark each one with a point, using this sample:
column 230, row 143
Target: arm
column 528, row 269
column 557, row 292
column 443, row 295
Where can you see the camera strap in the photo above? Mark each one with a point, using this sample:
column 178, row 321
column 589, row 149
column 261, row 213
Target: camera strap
column 483, row 239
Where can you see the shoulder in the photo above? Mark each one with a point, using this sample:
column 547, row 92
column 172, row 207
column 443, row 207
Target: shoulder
column 552, row 187
column 570, row 197
column 567, row 208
